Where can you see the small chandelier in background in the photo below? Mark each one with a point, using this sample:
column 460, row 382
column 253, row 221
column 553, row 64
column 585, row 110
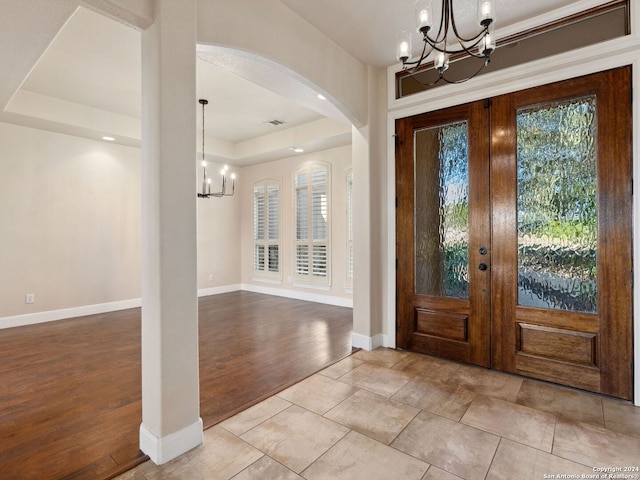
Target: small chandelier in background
column 480, row 46
column 206, row 181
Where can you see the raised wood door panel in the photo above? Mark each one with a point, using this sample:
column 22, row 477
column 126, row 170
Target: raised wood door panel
column 585, row 349
column 431, row 320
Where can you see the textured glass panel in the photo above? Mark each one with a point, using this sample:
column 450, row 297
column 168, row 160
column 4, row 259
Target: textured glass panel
column 557, row 214
column 441, row 211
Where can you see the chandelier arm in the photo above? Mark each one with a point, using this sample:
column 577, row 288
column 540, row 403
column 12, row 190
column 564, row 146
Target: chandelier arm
column 442, row 77
column 464, row 49
column 418, row 62
column 454, row 82
column 482, row 33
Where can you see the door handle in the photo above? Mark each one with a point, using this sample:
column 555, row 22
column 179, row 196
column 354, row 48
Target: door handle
column 482, row 266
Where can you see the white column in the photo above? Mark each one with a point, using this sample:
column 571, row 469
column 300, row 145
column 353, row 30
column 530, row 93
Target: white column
column 171, row 423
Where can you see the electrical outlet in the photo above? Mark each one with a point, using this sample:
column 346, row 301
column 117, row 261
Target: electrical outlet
column 211, row 277
column 289, row 279
column 30, row 298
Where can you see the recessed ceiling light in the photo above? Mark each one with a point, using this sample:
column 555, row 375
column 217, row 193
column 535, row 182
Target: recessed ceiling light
column 108, row 138
column 297, row 149
column 321, row 97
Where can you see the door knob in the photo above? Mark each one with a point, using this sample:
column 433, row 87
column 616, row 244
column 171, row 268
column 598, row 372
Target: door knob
column 482, row 266
column 483, row 251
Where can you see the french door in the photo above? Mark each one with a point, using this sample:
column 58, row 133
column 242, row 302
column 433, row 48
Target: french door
column 514, row 233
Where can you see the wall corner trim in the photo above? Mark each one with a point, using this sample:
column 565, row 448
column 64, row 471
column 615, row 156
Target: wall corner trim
column 369, row 343
column 163, row 449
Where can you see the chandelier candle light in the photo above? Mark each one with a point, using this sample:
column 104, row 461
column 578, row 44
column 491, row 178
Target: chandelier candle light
column 441, row 46
column 206, row 181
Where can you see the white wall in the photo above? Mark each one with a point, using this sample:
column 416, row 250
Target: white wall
column 219, row 235
column 70, row 228
column 70, row 221
column 283, row 170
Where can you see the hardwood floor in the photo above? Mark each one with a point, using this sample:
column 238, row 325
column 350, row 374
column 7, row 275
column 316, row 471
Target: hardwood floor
column 70, row 403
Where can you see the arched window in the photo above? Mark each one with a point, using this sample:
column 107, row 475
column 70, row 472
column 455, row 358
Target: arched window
column 312, row 224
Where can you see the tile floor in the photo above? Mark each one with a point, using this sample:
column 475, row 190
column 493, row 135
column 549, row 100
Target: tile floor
column 390, row 415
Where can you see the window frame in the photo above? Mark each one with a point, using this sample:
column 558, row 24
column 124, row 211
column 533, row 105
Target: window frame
column 265, row 273
column 309, row 279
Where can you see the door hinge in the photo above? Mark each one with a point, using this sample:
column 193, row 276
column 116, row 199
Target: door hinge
column 396, row 202
column 396, row 263
column 487, row 103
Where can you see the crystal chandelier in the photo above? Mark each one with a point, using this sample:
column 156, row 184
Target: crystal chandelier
column 443, row 45
column 206, row 181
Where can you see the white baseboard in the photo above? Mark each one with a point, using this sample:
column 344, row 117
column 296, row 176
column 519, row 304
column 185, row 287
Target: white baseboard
column 205, row 292
column 369, row 343
column 164, row 449
column 300, row 295
column 52, row 315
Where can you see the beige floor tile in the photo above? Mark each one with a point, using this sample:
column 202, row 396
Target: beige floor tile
column 357, row 457
column 436, row 397
column 435, row 473
column 458, row 449
column 247, row 419
column 567, row 403
column 621, row 417
column 376, row 379
column 220, row 457
column 135, row 474
column 373, row 415
column 427, row 367
column 595, row 446
column 295, row 437
column 516, row 422
column 514, row 460
column 383, row 357
column 340, row 368
column 267, row 469
column 487, row 382
column 318, row 393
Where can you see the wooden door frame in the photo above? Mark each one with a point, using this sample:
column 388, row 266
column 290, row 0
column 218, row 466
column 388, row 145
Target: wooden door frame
column 619, row 52
column 600, row 372
column 471, row 343
column 613, row 335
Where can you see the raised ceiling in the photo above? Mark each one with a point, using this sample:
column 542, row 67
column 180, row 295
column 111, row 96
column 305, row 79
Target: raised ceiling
column 93, row 65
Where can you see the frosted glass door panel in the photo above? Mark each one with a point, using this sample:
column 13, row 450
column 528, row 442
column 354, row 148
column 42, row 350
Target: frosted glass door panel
column 557, row 206
column 441, row 211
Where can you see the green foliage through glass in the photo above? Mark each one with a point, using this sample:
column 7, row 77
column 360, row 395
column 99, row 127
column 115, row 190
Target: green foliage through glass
column 557, row 205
